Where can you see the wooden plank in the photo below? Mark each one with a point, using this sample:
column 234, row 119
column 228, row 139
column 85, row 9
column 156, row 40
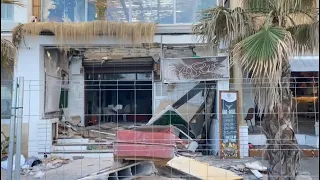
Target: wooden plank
column 36, row 5
column 201, row 170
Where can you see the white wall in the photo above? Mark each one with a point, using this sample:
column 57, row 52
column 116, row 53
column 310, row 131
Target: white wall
column 30, row 65
column 76, row 90
column 20, row 15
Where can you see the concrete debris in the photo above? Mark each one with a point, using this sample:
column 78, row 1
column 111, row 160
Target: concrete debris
column 39, row 175
column 32, row 161
column 77, row 157
column 256, row 173
column 256, row 166
column 129, row 170
column 38, row 169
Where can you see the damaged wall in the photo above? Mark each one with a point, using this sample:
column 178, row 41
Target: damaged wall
column 174, row 93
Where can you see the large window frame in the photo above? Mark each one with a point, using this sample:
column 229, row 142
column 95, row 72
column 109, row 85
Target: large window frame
column 7, row 12
column 131, row 14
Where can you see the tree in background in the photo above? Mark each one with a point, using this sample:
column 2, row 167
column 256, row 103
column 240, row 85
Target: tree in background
column 263, row 36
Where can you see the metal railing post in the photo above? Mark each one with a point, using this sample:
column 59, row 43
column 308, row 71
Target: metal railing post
column 19, row 120
column 12, row 130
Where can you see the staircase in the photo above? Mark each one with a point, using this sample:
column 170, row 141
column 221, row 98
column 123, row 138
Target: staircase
column 68, row 148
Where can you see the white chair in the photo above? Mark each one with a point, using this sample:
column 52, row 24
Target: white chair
column 125, row 111
column 108, row 113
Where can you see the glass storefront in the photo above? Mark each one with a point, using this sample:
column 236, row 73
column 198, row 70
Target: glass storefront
column 158, row 11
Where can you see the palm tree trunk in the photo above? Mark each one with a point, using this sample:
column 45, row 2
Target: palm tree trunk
column 282, row 150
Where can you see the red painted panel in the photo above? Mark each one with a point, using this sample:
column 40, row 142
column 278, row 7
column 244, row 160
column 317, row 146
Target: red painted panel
column 130, row 136
column 157, row 151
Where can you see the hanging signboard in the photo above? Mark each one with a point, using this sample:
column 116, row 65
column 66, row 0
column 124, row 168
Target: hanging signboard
column 194, row 69
column 229, row 125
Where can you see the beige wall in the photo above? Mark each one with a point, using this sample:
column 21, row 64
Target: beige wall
column 235, row 3
column 5, row 128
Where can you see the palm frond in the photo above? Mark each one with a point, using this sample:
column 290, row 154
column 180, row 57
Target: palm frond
column 8, row 54
column 219, row 24
column 280, row 7
column 12, row 2
column 259, row 6
column 263, row 54
column 306, row 37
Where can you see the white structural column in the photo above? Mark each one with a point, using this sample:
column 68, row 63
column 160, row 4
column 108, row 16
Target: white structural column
column 30, row 66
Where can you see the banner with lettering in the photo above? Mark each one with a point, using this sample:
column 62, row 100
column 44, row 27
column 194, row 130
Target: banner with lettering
column 194, row 69
column 229, row 125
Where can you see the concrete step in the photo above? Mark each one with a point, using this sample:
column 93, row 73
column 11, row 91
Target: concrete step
column 72, row 141
column 86, row 154
column 68, row 148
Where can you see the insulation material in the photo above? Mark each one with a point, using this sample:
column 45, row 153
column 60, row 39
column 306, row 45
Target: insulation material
column 53, row 81
column 201, row 170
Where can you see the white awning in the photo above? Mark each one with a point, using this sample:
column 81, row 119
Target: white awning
column 305, row 64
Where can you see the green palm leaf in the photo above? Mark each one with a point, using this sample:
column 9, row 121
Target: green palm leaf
column 263, row 54
column 221, row 24
column 306, row 37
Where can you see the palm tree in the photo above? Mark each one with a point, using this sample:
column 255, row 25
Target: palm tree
column 263, row 36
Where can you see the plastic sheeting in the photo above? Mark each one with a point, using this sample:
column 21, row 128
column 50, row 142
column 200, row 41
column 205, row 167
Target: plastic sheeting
column 53, row 81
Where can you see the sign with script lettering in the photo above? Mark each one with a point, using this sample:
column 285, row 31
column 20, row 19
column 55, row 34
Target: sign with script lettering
column 194, row 69
column 229, row 125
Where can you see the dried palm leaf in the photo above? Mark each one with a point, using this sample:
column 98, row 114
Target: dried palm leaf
column 8, row 54
column 306, row 38
column 86, row 31
column 12, row 2
column 220, row 24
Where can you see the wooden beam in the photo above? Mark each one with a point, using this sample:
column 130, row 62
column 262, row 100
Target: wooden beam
column 36, row 8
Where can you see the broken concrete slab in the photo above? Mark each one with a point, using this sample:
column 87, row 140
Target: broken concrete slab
column 201, row 170
column 256, row 173
column 256, row 165
column 124, row 171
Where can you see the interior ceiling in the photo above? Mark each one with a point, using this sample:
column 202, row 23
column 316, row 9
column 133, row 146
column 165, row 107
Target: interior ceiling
column 118, row 53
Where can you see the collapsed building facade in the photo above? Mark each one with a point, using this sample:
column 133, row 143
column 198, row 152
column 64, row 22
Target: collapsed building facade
column 149, row 74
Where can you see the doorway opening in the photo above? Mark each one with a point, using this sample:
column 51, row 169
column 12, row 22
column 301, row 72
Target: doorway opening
column 118, row 97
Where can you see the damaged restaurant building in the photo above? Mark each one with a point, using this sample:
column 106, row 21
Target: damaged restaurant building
column 160, row 77
column 84, row 81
